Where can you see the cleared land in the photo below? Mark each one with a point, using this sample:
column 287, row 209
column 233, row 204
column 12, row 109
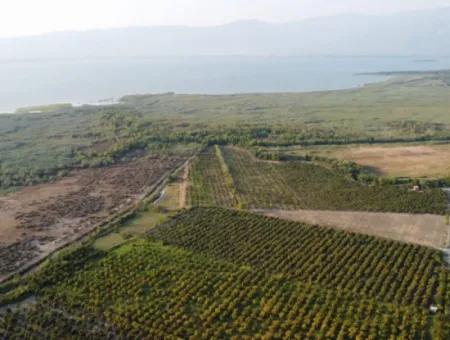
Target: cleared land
column 426, row 230
column 40, row 219
column 432, row 161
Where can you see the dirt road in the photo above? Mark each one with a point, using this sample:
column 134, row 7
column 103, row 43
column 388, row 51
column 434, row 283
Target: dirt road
column 184, row 186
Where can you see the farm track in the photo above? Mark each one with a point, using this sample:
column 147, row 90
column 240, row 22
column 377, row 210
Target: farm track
column 184, row 186
column 57, row 221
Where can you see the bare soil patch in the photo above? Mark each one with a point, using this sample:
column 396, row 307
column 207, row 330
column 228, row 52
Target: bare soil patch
column 425, row 230
column 413, row 161
column 37, row 220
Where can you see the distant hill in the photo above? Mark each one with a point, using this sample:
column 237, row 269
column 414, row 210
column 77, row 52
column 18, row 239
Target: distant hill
column 420, row 33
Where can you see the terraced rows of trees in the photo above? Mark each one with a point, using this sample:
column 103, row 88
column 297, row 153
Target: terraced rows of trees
column 291, row 185
column 146, row 290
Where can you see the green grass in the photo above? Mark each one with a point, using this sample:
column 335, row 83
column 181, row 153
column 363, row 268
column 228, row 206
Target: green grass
column 143, row 222
column 137, row 226
column 109, row 241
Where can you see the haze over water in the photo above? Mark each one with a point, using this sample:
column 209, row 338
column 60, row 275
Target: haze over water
column 37, row 82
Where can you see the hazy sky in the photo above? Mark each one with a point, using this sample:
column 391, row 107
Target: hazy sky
column 24, row 17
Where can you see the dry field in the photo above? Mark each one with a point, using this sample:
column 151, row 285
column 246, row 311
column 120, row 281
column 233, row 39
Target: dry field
column 431, row 161
column 174, row 195
column 37, row 220
column 426, row 230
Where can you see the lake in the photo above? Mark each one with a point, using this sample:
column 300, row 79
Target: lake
column 34, row 82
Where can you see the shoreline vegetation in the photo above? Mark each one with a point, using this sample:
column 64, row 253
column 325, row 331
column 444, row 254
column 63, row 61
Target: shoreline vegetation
column 41, row 108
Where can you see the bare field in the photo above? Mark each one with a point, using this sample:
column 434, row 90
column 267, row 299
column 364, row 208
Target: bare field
column 407, row 160
column 426, row 230
column 37, row 220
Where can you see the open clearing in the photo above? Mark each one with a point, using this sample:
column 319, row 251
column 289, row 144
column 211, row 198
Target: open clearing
column 431, row 161
column 40, row 219
column 426, row 230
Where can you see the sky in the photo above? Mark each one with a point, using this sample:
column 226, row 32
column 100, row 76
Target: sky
column 30, row 17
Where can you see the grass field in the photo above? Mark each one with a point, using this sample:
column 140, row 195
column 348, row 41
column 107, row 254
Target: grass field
column 138, row 225
column 297, row 185
column 215, row 273
column 413, row 160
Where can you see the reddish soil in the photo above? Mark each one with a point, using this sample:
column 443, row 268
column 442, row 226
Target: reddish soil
column 37, row 220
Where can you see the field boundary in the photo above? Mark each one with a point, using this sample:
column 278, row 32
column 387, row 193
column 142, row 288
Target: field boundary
column 425, row 229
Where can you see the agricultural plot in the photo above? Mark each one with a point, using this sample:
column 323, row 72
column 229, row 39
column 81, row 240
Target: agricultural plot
column 414, row 160
column 386, row 270
column 425, row 230
column 301, row 185
column 208, row 184
column 46, row 217
column 199, row 284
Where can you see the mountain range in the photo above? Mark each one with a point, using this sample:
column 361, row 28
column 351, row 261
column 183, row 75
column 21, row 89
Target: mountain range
column 417, row 33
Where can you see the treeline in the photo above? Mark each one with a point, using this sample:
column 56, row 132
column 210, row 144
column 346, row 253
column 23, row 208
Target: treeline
column 134, row 124
column 266, row 137
column 26, row 177
column 126, row 131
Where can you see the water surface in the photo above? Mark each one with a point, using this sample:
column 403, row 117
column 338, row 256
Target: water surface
column 25, row 83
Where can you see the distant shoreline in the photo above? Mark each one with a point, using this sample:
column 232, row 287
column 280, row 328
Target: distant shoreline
column 402, row 73
column 83, row 83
